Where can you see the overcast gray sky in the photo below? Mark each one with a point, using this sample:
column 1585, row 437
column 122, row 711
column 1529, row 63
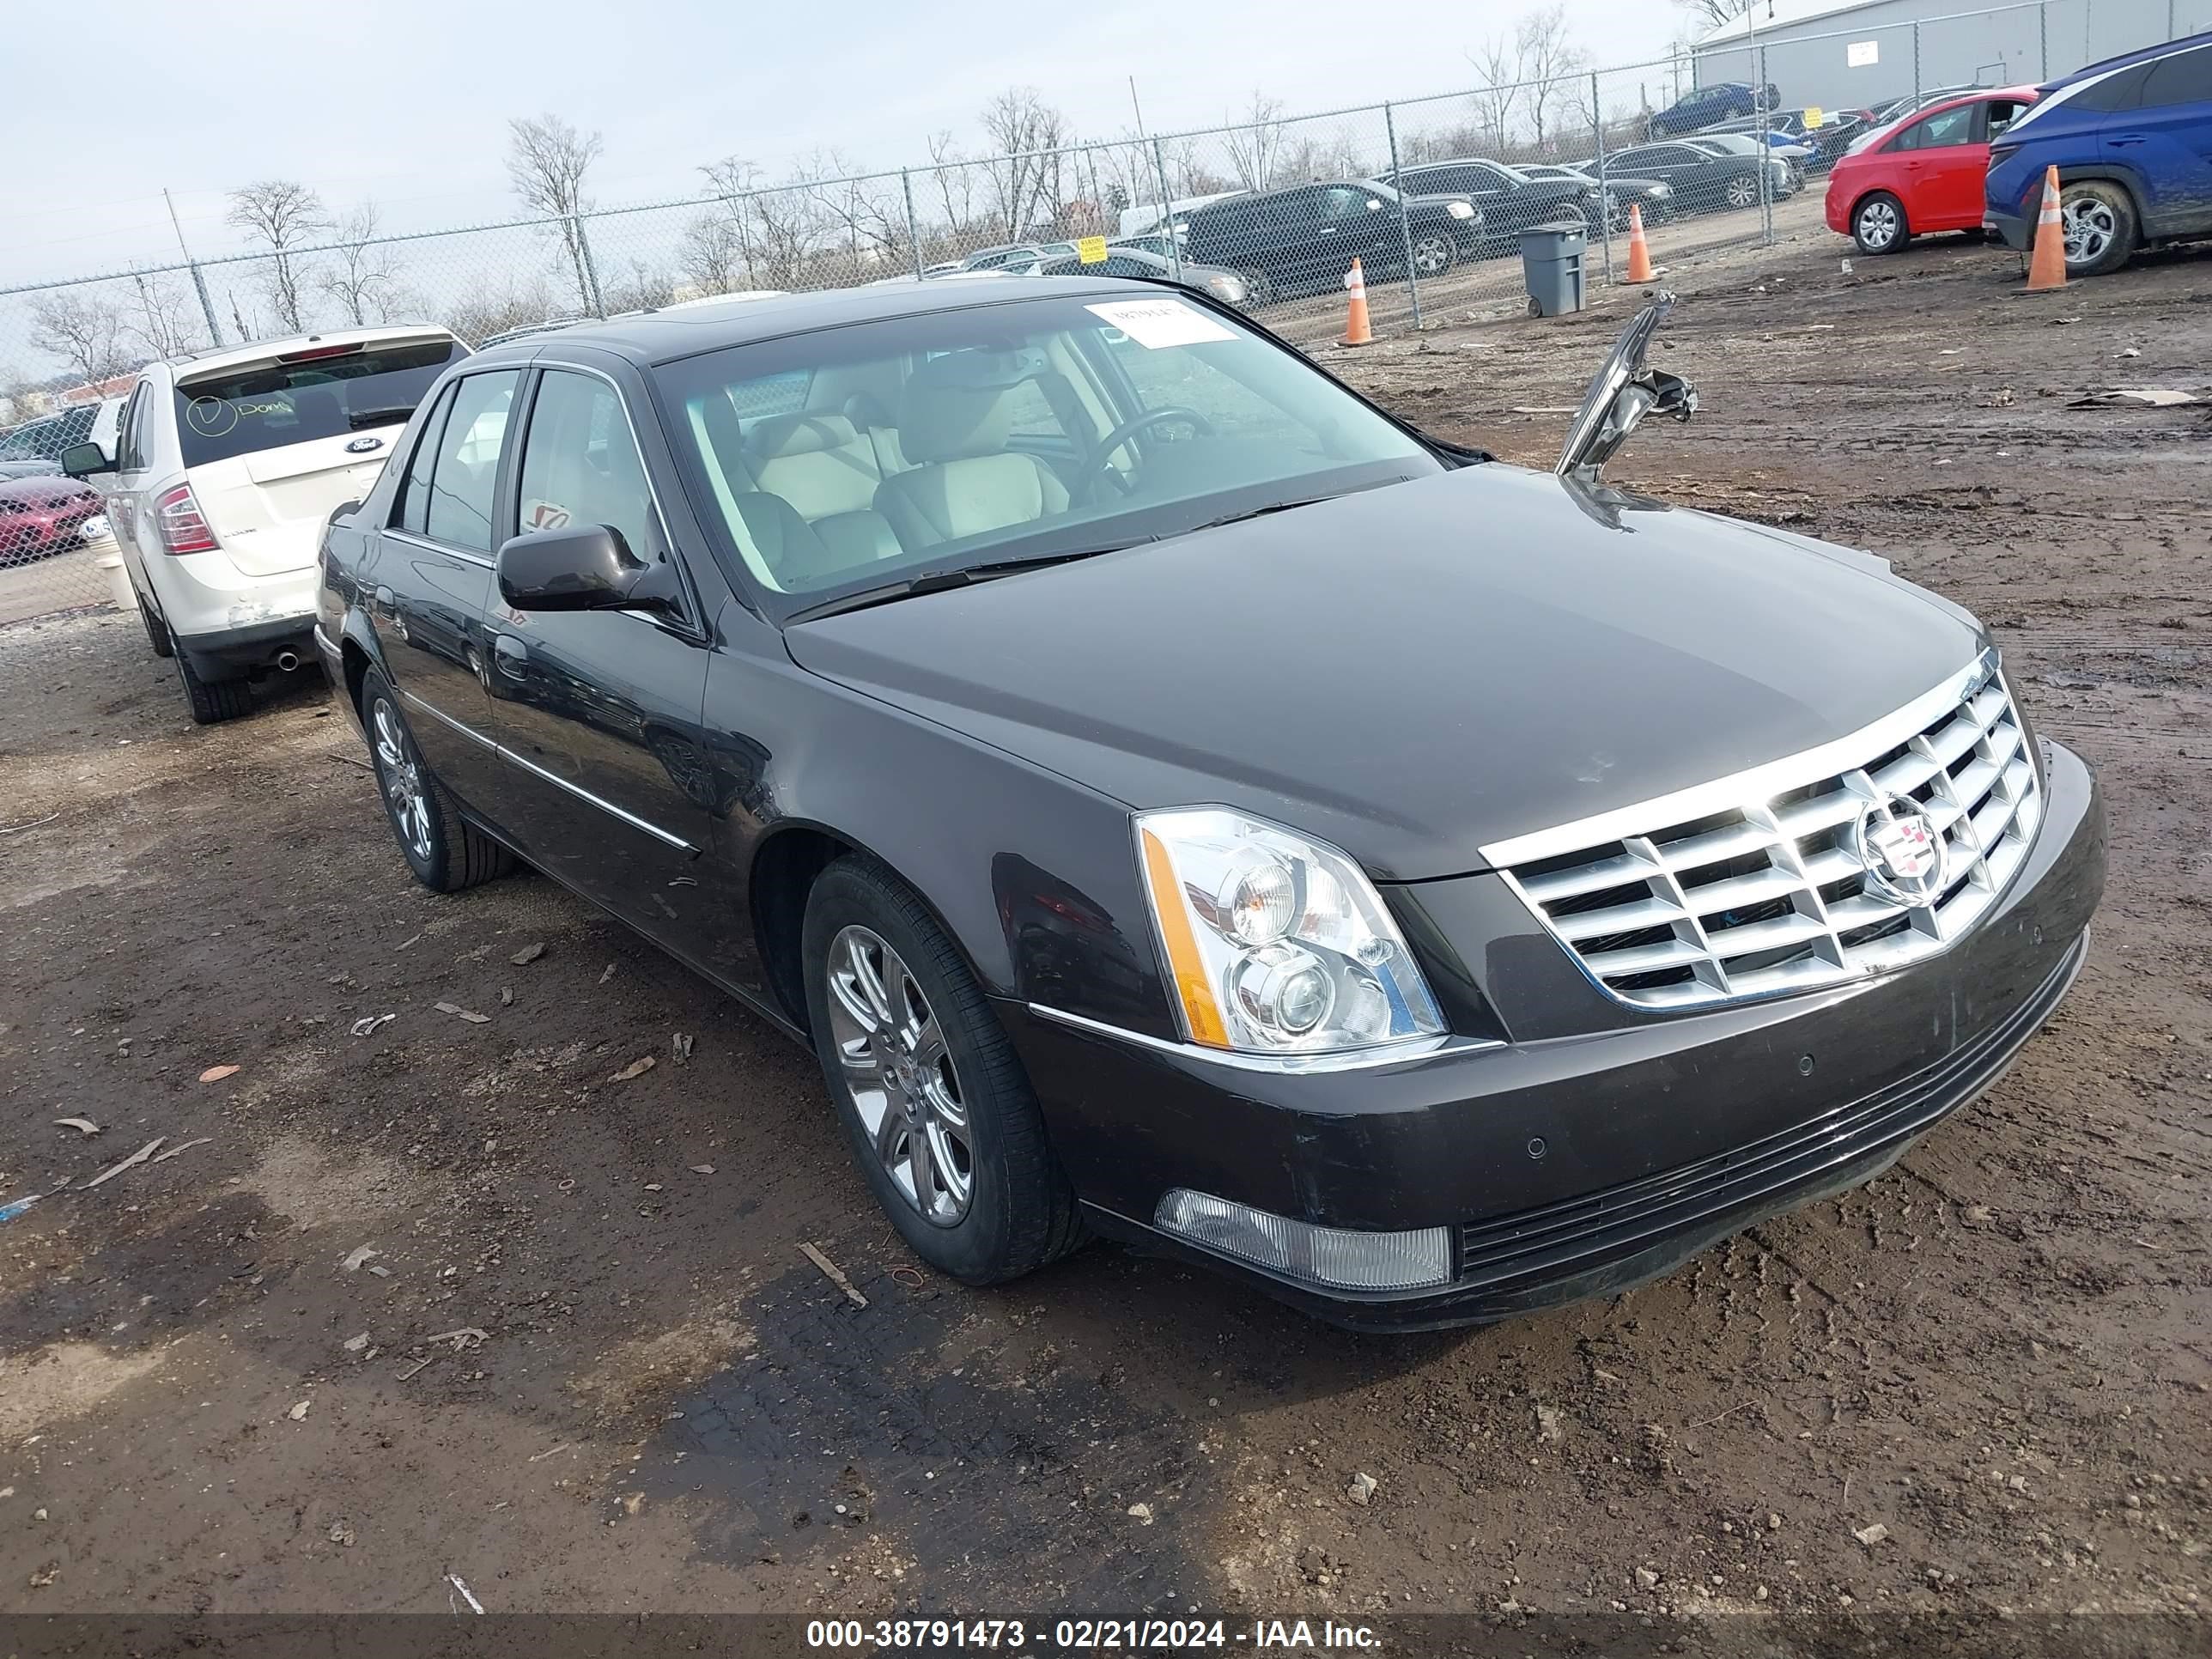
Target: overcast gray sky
column 406, row 101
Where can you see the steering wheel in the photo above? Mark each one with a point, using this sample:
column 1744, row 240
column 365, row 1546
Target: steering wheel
column 1128, row 429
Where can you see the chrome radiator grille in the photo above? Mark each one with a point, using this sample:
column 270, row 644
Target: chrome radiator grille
column 1786, row 878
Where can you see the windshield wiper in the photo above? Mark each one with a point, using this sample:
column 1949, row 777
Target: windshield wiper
column 936, row 582
column 392, row 416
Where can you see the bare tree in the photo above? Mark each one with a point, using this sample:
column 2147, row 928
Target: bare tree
column 711, row 255
column 643, row 286
column 1548, row 55
column 362, row 277
column 868, row 215
column 163, row 320
column 1499, row 67
column 955, row 189
column 547, row 161
column 85, row 332
column 284, row 217
column 1711, row 14
column 787, row 223
column 492, row 307
column 1255, row 144
column 1028, row 184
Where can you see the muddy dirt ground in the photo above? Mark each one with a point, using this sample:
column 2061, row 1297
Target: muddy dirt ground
column 223, row 1385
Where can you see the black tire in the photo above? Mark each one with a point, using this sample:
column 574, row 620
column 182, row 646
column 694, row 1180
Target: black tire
column 1435, row 252
column 1878, row 225
column 2107, row 207
column 1020, row 1213
column 157, row 631
column 211, row 700
column 445, row 852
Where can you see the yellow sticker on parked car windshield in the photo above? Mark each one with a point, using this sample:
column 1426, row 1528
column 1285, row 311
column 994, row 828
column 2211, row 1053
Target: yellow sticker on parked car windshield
column 1813, row 117
column 1091, row 250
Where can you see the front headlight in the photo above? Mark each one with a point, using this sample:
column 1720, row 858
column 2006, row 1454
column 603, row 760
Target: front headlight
column 1661, row 192
column 1228, row 289
column 1276, row 944
column 1460, row 210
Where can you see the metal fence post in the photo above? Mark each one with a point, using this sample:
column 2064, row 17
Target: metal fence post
column 1167, row 211
column 912, row 231
column 1604, row 199
column 1766, row 157
column 1916, row 58
column 1405, row 227
column 2043, row 40
column 199, row 281
column 593, row 299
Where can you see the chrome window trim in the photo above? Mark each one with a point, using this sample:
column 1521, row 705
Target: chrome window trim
column 553, row 778
column 429, row 546
column 1753, row 783
column 1349, row 1059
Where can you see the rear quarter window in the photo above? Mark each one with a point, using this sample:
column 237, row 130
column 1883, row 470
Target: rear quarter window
column 272, row 404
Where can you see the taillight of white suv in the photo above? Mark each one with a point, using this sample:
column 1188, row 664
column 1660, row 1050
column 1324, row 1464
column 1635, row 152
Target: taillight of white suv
column 179, row 522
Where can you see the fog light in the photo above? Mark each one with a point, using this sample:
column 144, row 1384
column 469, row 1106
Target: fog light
column 1336, row 1258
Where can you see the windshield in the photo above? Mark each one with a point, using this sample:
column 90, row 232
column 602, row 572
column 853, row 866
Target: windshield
column 314, row 392
column 45, row 440
column 956, row 438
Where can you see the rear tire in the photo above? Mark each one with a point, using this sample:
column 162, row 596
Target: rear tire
column 1878, row 225
column 913, row 1056
column 157, row 631
column 211, row 702
column 1434, row 254
column 2099, row 218
column 446, row 852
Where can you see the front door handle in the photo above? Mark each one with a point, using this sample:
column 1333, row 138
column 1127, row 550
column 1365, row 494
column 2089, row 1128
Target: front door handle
column 2128, row 138
column 512, row 655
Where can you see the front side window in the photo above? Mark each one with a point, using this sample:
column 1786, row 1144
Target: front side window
column 299, row 397
column 581, row 466
column 1003, row 415
column 465, row 475
column 1938, row 132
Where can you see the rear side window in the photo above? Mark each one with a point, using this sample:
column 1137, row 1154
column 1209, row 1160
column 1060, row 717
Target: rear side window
column 2184, row 78
column 467, row 472
column 414, row 512
column 311, row 394
column 2120, row 91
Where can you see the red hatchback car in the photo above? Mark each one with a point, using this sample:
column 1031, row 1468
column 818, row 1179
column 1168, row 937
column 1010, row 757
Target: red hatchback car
column 40, row 516
column 1922, row 172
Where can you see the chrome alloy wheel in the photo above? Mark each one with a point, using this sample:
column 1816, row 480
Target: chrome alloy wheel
column 1878, row 224
column 899, row 1072
column 1742, row 192
column 1433, row 255
column 401, row 771
column 2089, row 224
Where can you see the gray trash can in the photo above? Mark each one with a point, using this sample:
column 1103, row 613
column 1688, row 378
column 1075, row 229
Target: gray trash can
column 1551, row 266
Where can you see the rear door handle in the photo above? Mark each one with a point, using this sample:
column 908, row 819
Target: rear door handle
column 512, row 655
column 2128, row 138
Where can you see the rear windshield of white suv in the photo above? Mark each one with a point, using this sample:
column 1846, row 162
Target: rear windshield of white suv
column 317, row 392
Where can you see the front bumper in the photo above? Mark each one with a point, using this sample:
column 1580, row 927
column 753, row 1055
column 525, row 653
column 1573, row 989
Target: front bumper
column 2016, row 229
column 1579, row 1164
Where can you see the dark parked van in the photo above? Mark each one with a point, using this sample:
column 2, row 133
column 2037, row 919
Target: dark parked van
column 1305, row 238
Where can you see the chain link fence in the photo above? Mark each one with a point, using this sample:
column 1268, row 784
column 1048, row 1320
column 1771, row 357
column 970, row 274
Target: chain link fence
column 1430, row 195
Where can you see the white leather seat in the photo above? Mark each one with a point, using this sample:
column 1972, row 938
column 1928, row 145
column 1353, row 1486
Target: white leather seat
column 956, row 413
column 828, row 473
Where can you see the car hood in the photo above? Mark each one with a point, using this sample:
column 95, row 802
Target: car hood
column 1414, row 671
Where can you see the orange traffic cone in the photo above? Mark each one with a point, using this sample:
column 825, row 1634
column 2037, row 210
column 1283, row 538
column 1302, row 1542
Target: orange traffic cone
column 1639, row 251
column 2046, row 268
column 1356, row 329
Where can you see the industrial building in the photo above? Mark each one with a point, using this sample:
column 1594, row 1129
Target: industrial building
column 1856, row 54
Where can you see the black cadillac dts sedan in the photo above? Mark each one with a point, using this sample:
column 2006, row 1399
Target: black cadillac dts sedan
column 1178, row 800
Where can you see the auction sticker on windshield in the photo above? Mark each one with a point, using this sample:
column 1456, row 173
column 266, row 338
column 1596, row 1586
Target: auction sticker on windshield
column 1154, row 324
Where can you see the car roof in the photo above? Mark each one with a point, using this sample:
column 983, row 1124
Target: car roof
column 663, row 336
column 1973, row 95
column 256, row 351
column 2141, row 55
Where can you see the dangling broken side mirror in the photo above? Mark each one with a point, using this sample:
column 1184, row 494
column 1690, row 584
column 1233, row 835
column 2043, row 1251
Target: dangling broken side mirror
column 1624, row 391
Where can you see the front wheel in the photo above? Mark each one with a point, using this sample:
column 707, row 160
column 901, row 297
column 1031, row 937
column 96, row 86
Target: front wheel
column 1878, row 224
column 938, row 1112
column 446, row 852
column 1434, row 254
column 1742, row 190
column 2100, row 221
column 1259, row 286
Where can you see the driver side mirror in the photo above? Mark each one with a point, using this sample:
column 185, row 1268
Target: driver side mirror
column 585, row 567
column 83, row 460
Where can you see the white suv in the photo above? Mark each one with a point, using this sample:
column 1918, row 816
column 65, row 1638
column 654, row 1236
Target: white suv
column 227, row 465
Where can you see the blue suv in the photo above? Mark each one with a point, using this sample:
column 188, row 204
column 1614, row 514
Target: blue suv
column 2132, row 140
